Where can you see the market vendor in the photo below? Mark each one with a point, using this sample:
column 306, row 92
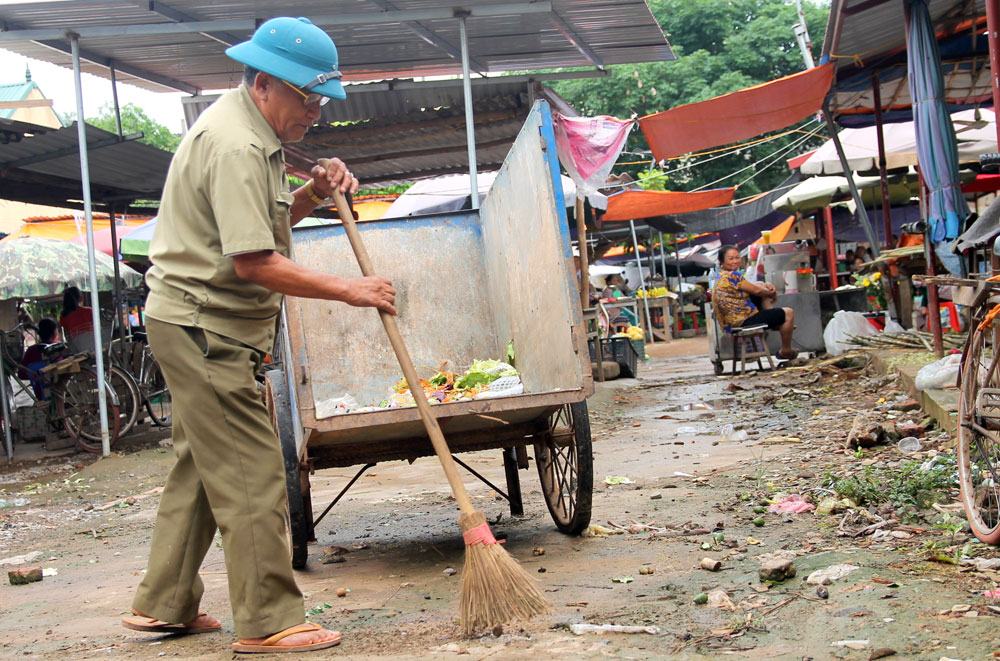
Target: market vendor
column 220, row 266
column 740, row 303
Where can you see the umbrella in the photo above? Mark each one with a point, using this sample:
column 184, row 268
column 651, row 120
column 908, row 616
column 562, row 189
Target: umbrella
column 451, row 193
column 974, row 129
column 937, row 149
column 818, row 192
column 32, row 268
column 135, row 244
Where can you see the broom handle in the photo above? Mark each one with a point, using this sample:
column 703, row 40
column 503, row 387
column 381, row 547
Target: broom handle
column 403, row 356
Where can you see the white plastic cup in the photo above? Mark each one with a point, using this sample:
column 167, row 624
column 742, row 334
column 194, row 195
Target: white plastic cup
column 909, row 445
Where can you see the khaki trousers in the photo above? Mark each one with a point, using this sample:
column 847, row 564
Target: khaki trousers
column 229, row 474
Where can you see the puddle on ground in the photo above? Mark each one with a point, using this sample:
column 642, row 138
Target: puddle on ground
column 707, row 404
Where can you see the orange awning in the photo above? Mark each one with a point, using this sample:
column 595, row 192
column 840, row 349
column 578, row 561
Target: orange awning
column 67, row 229
column 737, row 116
column 779, row 232
column 638, row 204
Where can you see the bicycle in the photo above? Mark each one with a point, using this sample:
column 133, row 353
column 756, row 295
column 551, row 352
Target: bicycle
column 70, row 387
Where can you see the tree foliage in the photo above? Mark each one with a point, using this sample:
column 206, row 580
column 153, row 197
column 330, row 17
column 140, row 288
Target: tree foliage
column 721, row 46
column 134, row 120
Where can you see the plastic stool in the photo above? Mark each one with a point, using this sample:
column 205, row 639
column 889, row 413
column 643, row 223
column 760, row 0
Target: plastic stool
column 750, row 343
column 953, row 321
column 691, row 312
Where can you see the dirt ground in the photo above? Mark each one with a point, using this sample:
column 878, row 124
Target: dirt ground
column 690, row 493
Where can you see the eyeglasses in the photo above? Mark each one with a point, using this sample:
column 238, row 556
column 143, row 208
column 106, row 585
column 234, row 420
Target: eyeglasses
column 310, row 98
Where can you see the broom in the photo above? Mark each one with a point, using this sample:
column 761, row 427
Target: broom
column 495, row 588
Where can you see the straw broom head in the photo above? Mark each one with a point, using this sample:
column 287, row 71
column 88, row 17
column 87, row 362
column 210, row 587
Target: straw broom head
column 495, row 588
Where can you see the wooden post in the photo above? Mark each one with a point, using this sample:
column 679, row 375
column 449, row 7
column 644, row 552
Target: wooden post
column 581, row 239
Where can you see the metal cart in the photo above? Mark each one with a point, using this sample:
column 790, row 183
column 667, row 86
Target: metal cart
column 467, row 283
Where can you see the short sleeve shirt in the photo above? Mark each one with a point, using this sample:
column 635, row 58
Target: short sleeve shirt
column 731, row 304
column 226, row 193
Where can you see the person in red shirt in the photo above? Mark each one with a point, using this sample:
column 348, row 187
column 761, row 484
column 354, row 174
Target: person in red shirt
column 76, row 319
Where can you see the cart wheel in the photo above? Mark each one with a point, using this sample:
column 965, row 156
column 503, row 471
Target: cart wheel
column 296, row 480
column 979, row 452
column 566, row 468
column 719, row 368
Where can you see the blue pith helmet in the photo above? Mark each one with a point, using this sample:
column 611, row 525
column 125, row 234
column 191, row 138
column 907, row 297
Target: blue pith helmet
column 294, row 50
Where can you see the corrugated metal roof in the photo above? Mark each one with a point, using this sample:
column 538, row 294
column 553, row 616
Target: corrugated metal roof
column 45, row 169
column 572, row 33
column 14, row 92
column 865, row 37
column 12, row 130
column 413, row 132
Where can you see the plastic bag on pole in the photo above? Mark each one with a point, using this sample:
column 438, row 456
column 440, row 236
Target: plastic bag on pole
column 588, row 148
column 837, row 333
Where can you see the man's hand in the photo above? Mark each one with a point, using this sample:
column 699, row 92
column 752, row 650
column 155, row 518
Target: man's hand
column 335, row 175
column 371, row 291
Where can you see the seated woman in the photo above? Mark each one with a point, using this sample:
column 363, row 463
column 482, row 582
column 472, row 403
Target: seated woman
column 34, row 356
column 76, row 321
column 615, row 287
column 733, row 300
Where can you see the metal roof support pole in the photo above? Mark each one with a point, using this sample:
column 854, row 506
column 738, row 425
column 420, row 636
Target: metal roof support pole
column 581, row 242
column 993, row 38
column 8, row 421
column 855, row 195
column 642, row 282
column 470, row 127
column 114, row 96
column 89, row 215
column 663, row 259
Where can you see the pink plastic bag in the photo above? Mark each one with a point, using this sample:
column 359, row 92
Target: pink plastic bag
column 588, row 148
column 791, row 505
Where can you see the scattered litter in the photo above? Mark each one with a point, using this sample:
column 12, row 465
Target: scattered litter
column 730, row 433
column 13, row 502
column 753, row 541
column 646, row 571
column 832, row 505
column 830, row 574
column 851, row 644
column 618, row 479
column 792, row 504
column 822, row 592
column 701, row 598
column 50, row 571
column 19, row 559
column 939, row 374
column 710, row 564
column 612, row 628
column 686, row 429
column 983, row 564
column 720, row 599
column 881, row 653
column 538, row 551
column 775, row 440
column 622, row 579
column 597, row 530
column 680, row 474
column 909, row 445
column 450, row 571
column 992, row 594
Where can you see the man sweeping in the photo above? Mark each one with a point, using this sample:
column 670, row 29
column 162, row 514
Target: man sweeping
column 220, row 268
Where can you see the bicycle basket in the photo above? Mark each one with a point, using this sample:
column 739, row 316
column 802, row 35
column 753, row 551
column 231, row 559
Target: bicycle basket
column 13, row 345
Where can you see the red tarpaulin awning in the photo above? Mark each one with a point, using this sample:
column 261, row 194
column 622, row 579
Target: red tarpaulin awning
column 984, row 183
column 638, row 204
column 737, row 116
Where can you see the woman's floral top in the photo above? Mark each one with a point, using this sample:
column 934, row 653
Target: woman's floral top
column 732, row 305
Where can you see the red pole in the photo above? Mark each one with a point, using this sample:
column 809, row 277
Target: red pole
column 992, row 26
column 831, row 247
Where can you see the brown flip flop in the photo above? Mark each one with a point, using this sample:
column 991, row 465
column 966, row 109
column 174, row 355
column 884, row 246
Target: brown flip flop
column 152, row 625
column 270, row 645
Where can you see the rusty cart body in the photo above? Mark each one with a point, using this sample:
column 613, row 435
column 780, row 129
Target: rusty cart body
column 467, row 283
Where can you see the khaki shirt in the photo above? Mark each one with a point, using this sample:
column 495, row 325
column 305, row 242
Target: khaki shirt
column 226, row 193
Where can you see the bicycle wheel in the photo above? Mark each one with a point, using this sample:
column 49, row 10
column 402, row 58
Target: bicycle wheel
column 979, row 435
column 157, row 396
column 78, row 406
column 129, row 399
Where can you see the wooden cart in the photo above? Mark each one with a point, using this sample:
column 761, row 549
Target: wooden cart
column 467, row 283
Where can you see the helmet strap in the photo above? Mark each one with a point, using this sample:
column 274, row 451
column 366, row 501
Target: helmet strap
column 322, row 78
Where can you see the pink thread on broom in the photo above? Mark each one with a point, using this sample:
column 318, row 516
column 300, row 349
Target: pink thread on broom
column 481, row 534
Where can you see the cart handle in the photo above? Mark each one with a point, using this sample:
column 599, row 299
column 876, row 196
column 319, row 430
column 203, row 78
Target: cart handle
column 403, row 356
